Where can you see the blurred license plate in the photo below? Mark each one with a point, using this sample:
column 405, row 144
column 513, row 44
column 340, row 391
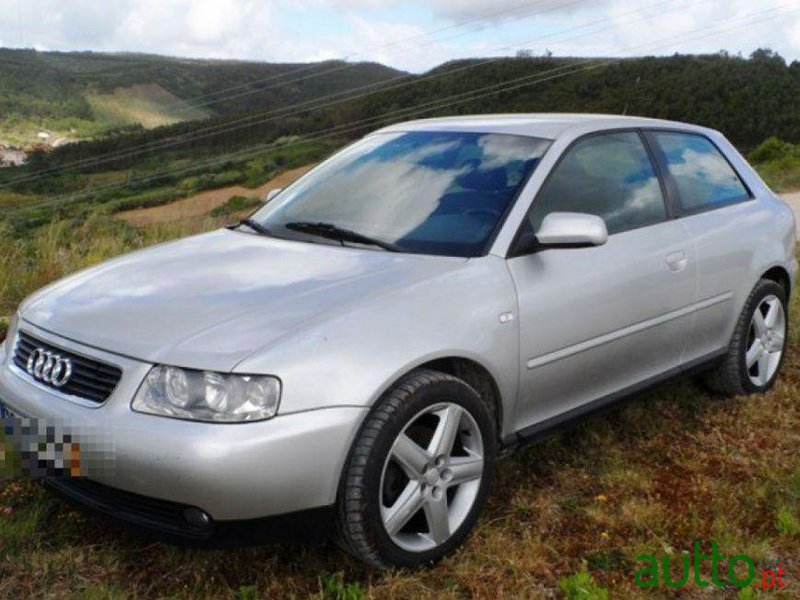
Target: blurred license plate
column 5, row 412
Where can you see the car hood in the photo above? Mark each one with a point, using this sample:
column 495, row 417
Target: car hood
column 210, row 301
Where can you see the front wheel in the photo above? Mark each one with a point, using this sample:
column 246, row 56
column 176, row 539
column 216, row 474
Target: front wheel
column 758, row 345
column 418, row 474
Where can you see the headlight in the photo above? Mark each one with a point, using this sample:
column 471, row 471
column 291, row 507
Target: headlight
column 11, row 333
column 206, row 396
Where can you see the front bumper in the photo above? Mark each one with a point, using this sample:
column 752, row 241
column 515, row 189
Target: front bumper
column 167, row 521
column 233, row 472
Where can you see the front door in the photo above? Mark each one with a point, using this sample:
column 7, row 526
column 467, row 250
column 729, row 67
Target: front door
column 597, row 321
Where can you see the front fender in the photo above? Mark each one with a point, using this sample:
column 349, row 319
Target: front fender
column 352, row 358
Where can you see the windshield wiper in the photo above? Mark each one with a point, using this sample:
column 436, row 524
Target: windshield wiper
column 255, row 226
column 339, row 234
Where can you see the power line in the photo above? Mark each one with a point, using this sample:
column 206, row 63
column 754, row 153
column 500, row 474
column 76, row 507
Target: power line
column 195, row 102
column 339, row 68
column 278, row 113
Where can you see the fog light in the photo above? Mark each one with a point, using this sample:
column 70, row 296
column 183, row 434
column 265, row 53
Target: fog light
column 197, row 518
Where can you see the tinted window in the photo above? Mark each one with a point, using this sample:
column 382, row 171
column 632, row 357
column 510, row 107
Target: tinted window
column 426, row 192
column 608, row 175
column 701, row 173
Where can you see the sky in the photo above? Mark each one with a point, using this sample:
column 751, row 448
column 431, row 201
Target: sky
column 411, row 35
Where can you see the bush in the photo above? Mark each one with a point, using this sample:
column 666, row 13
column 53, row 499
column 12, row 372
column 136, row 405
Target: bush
column 218, row 180
column 774, row 149
column 145, row 200
column 236, row 204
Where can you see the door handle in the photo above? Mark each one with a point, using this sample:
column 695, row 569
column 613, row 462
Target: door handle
column 677, row 261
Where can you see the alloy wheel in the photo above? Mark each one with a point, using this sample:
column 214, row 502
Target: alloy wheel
column 432, row 477
column 766, row 341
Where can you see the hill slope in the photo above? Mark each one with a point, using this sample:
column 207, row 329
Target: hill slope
column 749, row 99
column 58, row 91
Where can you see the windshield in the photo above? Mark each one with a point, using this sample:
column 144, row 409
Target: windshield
column 439, row 193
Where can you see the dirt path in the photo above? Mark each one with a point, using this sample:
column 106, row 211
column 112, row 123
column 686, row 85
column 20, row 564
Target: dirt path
column 793, row 200
column 201, row 204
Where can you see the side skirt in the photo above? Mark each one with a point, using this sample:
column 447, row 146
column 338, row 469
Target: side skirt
column 539, row 431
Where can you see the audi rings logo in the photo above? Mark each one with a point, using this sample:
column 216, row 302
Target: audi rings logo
column 49, row 367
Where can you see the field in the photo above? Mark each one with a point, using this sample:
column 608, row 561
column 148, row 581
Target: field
column 204, row 203
column 567, row 519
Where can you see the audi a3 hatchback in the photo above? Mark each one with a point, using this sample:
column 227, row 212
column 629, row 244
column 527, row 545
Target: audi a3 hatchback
column 351, row 359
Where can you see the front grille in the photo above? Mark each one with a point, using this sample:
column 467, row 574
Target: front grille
column 91, row 380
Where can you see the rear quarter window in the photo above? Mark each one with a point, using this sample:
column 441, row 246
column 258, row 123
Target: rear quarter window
column 703, row 176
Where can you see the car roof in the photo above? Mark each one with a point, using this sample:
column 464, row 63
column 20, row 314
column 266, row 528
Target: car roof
column 541, row 125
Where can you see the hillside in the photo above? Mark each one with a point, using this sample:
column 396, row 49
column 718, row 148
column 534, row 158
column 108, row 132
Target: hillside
column 59, row 91
column 749, row 99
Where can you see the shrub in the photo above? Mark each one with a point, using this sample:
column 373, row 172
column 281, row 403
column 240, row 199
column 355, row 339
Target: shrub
column 145, row 200
column 236, row 204
column 774, row 149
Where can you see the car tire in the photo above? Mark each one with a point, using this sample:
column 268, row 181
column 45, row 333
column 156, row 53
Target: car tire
column 425, row 454
column 758, row 345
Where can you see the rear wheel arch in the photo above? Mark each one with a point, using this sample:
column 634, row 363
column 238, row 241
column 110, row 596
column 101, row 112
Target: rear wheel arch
column 732, row 375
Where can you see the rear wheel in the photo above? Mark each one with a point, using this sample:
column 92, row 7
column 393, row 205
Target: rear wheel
column 756, row 350
column 418, row 474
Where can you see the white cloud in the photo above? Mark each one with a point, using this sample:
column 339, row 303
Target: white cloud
column 480, row 10
column 500, row 10
column 390, row 31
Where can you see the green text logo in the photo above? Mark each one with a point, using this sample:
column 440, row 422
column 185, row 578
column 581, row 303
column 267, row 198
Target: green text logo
column 654, row 572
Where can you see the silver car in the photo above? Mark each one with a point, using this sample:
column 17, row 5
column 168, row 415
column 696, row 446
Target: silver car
column 352, row 358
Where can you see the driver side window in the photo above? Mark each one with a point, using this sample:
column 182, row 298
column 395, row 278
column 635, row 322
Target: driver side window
column 608, row 175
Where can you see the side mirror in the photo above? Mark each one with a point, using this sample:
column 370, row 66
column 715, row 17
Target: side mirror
column 272, row 193
column 571, row 230
column 563, row 230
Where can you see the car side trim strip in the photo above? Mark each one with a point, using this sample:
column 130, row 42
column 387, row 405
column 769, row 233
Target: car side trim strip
column 544, row 359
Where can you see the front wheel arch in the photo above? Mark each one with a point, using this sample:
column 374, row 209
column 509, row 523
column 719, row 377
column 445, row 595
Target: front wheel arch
column 780, row 276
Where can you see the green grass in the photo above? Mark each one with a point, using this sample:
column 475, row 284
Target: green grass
column 582, row 586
